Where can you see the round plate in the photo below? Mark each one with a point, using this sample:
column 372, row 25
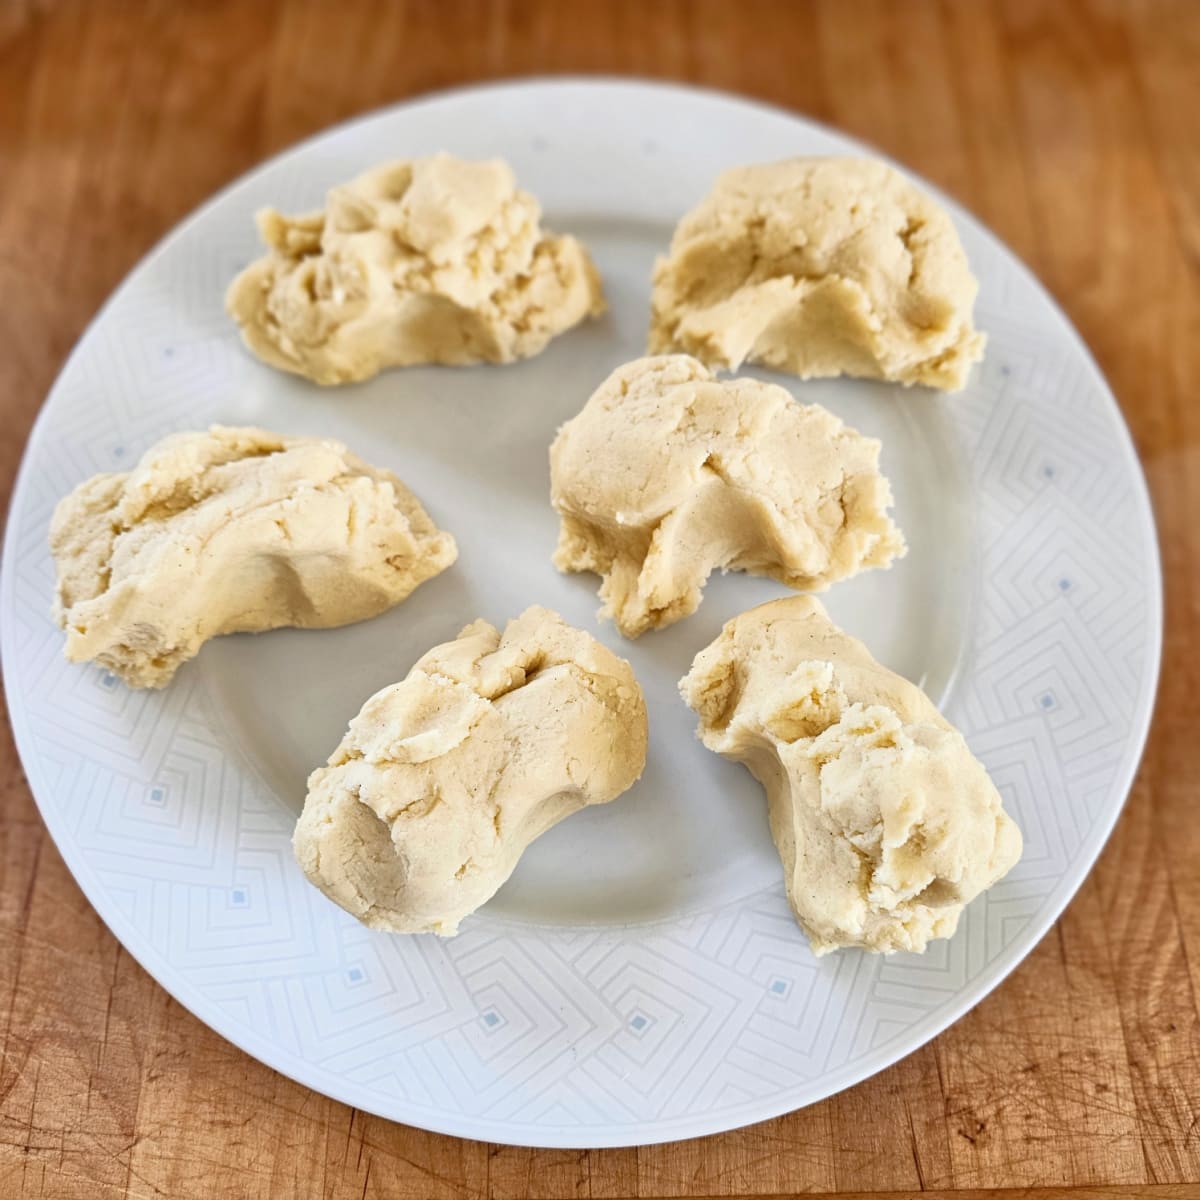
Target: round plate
column 640, row 978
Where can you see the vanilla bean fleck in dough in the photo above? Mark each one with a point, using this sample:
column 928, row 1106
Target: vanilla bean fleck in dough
column 444, row 778
column 819, row 266
column 886, row 823
column 429, row 260
column 669, row 473
column 236, row 530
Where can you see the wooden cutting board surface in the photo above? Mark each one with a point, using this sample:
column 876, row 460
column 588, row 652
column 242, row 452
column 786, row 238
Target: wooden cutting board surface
column 1073, row 130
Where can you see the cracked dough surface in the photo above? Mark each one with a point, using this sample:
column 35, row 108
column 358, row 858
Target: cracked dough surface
column 819, row 266
column 429, row 260
column 444, row 778
column 668, row 473
column 236, row 530
column 886, row 823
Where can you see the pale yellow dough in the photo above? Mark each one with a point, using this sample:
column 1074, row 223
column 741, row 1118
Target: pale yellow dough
column 429, row 260
column 887, row 825
column 820, row 266
column 668, row 473
column 232, row 531
column 444, row 778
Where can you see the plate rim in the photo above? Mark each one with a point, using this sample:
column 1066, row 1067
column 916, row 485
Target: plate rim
column 564, row 1136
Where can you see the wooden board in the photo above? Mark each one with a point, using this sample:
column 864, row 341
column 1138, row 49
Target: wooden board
column 1073, row 129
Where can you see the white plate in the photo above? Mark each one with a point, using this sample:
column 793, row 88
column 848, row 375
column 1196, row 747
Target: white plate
column 640, row 978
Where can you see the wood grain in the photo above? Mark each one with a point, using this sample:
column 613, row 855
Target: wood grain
column 1071, row 128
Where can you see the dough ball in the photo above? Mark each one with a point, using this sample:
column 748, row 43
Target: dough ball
column 444, row 778
column 886, row 823
column 232, row 531
column 669, row 473
column 429, row 260
column 819, row 266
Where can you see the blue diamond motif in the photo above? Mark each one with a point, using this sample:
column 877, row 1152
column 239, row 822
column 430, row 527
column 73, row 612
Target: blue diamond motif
column 157, row 795
column 168, row 351
column 1047, row 700
column 118, row 452
column 1064, row 585
column 638, row 1023
column 1006, row 370
column 1048, row 471
column 238, row 896
column 779, row 987
column 355, row 975
column 108, row 681
column 491, row 1018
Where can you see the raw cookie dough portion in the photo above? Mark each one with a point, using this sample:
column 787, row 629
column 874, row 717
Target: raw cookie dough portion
column 887, row 825
column 232, row 531
column 668, row 473
column 429, row 260
column 444, row 778
column 819, row 266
